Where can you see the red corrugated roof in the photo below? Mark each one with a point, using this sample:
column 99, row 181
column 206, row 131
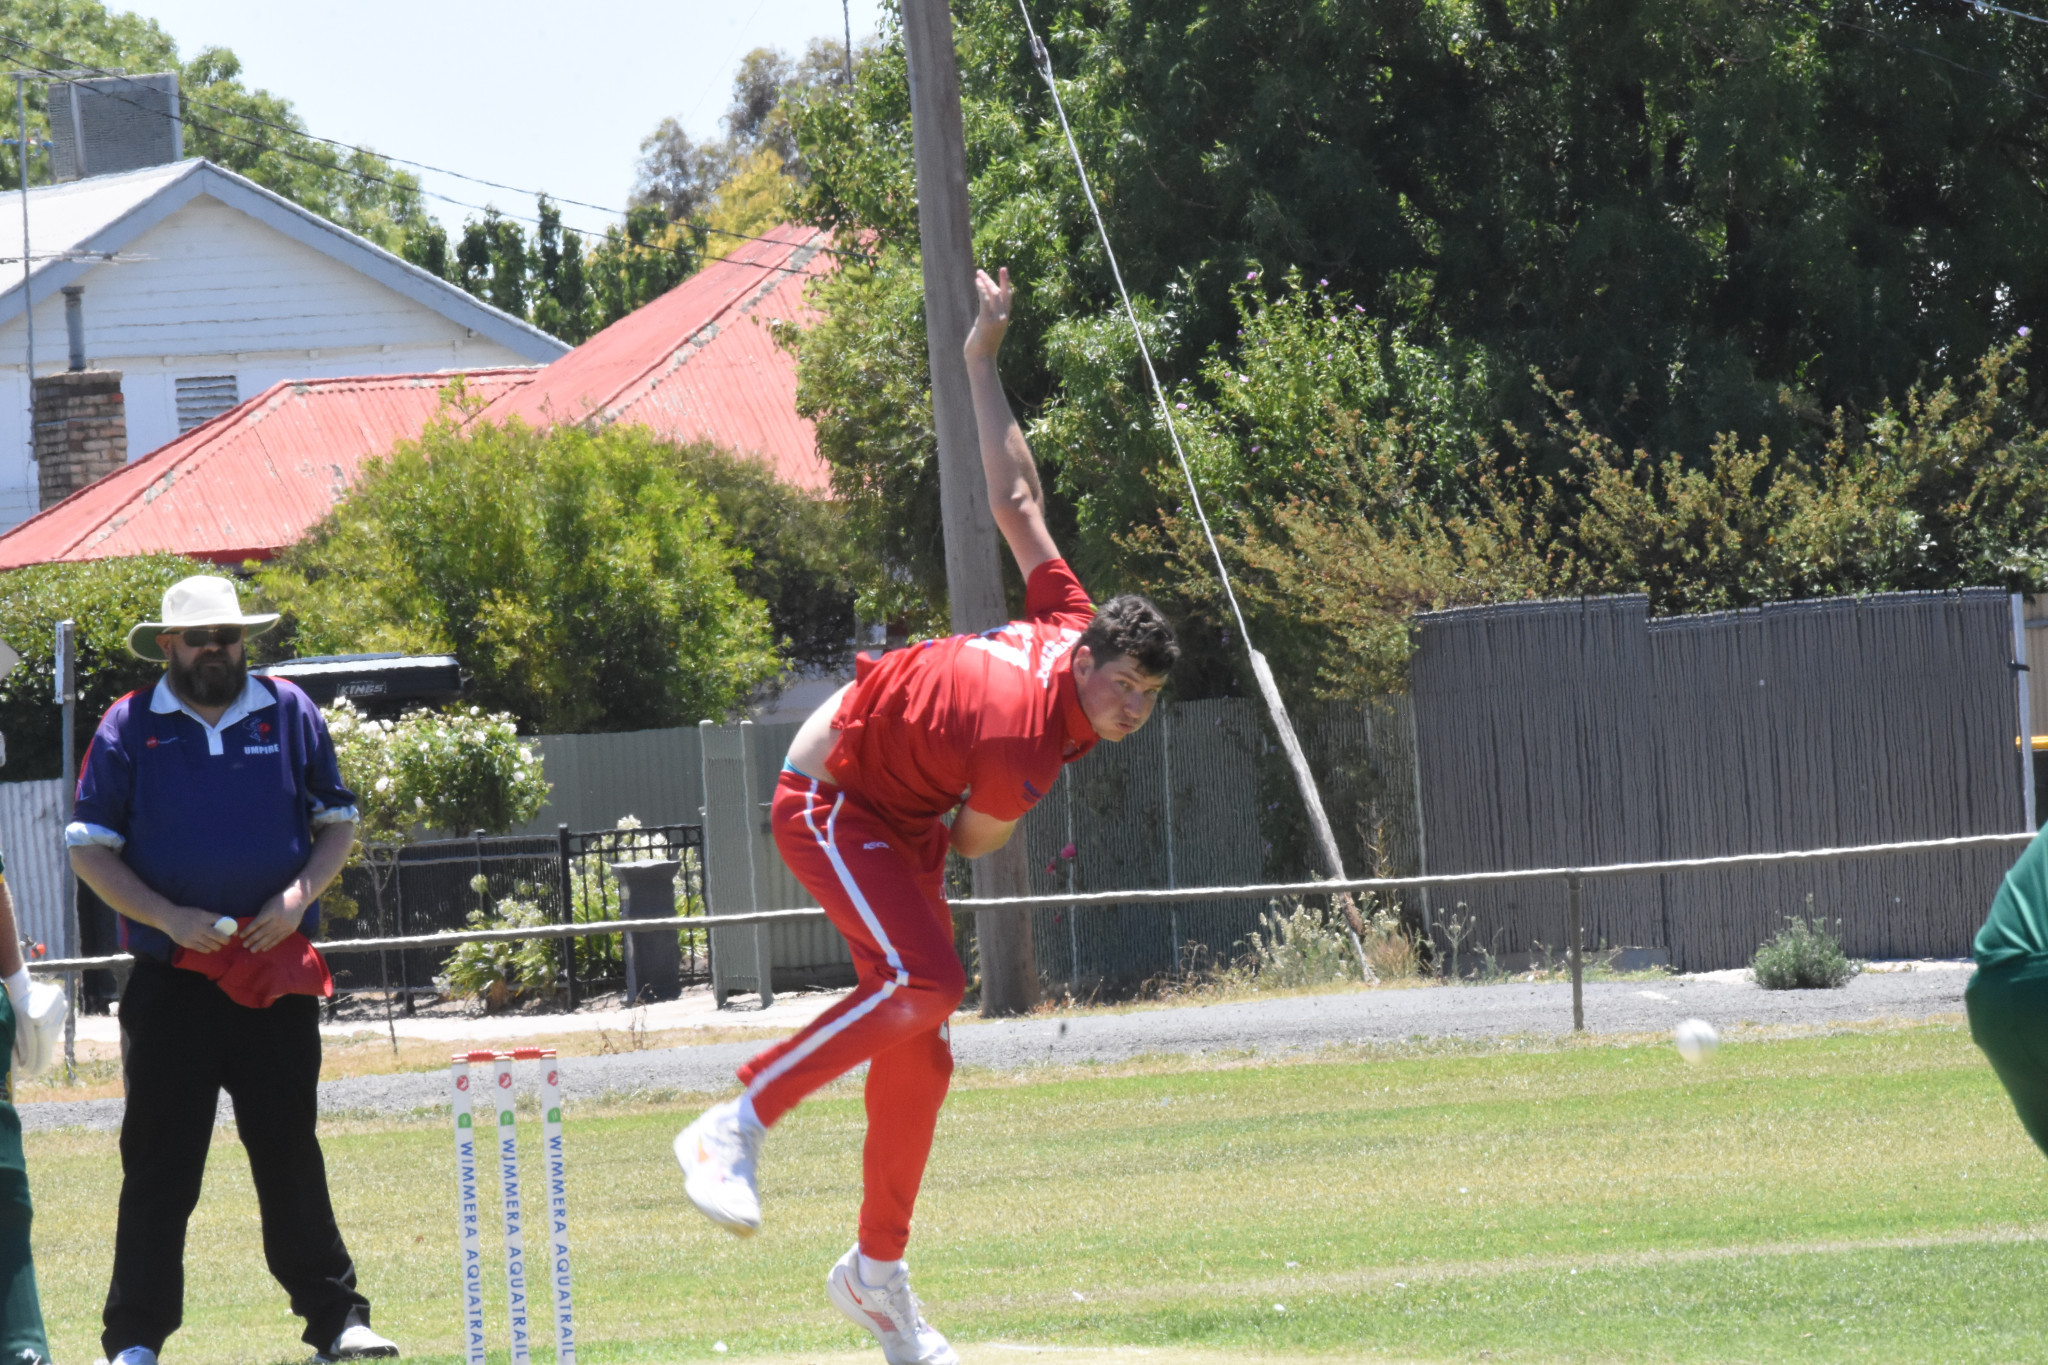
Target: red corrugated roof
column 701, row 362
column 698, row 363
column 251, row 481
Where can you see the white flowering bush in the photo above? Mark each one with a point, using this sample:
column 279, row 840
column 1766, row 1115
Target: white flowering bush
column 457, row 770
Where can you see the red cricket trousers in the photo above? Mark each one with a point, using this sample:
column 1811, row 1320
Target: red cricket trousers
column 886, row 894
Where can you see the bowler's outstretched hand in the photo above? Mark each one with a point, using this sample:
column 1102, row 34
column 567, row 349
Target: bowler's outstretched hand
column 985, row 338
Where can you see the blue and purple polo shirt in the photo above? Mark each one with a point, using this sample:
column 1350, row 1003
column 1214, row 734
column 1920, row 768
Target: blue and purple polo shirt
column 218, row 817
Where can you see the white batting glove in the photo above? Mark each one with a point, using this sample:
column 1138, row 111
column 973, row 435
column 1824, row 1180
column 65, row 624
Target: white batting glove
column 39, row 1009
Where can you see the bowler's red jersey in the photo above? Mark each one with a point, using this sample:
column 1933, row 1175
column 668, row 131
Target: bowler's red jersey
column 989, row 716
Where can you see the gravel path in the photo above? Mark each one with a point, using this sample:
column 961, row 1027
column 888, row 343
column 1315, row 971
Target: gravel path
column 1268, row 1027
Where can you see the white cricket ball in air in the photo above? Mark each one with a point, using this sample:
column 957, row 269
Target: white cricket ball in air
column 225, row 925
column 1696, row 1039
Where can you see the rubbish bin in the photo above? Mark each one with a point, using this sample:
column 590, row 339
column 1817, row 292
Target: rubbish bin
column 654, row 965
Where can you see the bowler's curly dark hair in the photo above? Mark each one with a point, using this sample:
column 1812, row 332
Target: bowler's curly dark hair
column 1129, row 625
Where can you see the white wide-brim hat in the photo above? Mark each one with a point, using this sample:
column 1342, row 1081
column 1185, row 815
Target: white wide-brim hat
column 202, row 600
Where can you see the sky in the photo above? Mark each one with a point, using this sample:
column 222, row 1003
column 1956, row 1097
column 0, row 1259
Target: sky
column 531, row 93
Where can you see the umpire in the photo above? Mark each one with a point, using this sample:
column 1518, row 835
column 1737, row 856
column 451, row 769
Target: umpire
column 212, row 796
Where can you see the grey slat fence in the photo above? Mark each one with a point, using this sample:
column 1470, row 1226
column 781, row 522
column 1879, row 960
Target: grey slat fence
column 32, row 839
column 1582, row 732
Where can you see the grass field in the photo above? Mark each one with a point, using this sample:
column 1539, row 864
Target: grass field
column 1855, row 1196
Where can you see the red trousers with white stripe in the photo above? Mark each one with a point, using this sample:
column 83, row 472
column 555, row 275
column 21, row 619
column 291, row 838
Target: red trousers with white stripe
column 886, row 894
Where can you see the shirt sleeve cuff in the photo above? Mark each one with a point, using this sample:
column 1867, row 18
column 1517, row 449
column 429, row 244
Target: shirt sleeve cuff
column 338, row 815
column 78, row 834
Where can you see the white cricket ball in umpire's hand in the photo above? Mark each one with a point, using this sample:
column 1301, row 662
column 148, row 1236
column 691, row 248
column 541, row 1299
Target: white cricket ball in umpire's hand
column 224, row 925
column 1696, row 1039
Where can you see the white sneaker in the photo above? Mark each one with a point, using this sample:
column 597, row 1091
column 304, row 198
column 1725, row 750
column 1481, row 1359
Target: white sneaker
column 134, row 1355
column 891, row 1312
column 718, row 1154
column 356, row 1342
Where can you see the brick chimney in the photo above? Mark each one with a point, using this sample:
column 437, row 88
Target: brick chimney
column 81, row 430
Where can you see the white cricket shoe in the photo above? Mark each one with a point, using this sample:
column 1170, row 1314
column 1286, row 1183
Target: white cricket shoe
column 133, row 1355
column 718, row 1154
column 891, row 1312
column 357, row 1342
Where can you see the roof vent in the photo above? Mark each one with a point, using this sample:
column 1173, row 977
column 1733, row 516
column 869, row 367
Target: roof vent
column 115, row 123
column 203, row 397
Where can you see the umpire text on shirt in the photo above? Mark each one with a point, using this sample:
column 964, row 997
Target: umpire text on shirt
column 216, row 795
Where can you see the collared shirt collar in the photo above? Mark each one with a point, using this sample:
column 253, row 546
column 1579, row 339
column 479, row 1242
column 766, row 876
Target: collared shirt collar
column 1080, row 735
column 255, row 696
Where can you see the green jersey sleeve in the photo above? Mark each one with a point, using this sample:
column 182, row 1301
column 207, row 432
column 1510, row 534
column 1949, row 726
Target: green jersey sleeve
column 2017, row 927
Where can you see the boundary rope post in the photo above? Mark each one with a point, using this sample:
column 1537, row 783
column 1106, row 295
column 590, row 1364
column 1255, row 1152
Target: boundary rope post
column 1576, row 937
column 66, row 649
column 568, row 902
column 2024, row 689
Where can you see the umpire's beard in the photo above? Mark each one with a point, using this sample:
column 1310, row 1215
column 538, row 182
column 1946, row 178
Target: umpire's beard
column 213, row 679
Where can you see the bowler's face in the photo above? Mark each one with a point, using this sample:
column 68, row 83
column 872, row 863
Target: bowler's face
column 1117, row 696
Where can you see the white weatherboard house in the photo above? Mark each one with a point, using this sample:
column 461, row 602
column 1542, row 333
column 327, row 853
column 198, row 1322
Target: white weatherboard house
column 203, row 288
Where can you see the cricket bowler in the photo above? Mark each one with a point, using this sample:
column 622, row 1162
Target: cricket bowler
column 976, row 725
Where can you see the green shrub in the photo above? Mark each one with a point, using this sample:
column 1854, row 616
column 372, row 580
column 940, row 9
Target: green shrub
column 583, row 579
column 498, row 974
column 105, row 597
column 1803, row 956
column 1304, row 946
column 455, row 770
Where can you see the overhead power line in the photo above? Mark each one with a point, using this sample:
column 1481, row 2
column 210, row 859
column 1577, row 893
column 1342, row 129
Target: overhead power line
column 1824, row 16
column 371, row 177
column 2017, row 14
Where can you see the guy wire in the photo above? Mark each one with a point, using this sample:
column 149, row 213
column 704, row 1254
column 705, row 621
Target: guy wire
column 1043, row 60
column 1323, row 837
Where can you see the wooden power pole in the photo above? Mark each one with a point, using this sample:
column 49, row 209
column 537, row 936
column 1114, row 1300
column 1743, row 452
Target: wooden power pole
column 974, row 579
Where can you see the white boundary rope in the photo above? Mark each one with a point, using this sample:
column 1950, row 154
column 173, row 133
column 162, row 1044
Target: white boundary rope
column 1087, row 899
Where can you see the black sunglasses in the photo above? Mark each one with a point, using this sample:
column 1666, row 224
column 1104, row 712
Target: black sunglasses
column 199, row 637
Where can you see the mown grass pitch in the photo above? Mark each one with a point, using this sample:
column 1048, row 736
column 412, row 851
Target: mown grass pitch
column 1857, row 1196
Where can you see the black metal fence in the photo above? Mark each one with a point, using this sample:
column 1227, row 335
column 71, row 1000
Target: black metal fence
column 438, row 885
column 585, row 869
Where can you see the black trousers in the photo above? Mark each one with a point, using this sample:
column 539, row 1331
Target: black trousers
column 183, row 1042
